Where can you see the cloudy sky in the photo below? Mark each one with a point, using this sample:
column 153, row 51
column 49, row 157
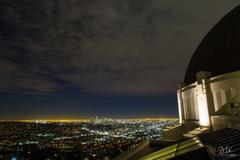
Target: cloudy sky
column 82, row 58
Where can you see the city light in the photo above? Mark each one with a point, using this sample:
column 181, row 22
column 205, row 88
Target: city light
column 99, row 138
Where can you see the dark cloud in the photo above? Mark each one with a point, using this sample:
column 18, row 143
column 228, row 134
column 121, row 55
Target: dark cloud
column 101, row 46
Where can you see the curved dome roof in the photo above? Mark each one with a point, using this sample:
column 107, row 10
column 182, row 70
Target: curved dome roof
column 219, row 51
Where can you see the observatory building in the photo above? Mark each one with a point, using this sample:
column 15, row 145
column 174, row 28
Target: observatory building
column 208, row 102
column 209, row 96
column 210, row 93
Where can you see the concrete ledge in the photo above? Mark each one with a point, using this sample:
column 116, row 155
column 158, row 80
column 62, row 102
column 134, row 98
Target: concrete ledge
column 225, row 121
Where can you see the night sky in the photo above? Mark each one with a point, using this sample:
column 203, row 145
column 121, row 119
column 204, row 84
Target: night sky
column 87, row 58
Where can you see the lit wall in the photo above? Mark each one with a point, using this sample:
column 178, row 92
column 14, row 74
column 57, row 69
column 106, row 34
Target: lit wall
column 204, row 98
column 225, row 91
column 190, row 105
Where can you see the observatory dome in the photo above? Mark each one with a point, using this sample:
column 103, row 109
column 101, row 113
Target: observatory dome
column 219, row 51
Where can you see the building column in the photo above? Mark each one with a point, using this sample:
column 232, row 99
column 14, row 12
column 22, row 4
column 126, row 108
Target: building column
column 203, row 93
column 180, row 103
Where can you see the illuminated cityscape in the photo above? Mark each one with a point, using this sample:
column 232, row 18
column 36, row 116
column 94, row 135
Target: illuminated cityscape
column 98, row 138
column 119, row 80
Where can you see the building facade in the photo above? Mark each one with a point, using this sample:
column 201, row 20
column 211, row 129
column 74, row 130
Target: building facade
column 210, row 98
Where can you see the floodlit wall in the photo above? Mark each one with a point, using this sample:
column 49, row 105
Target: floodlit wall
column 190, row 104
column 205, row 97
column 225, row 91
